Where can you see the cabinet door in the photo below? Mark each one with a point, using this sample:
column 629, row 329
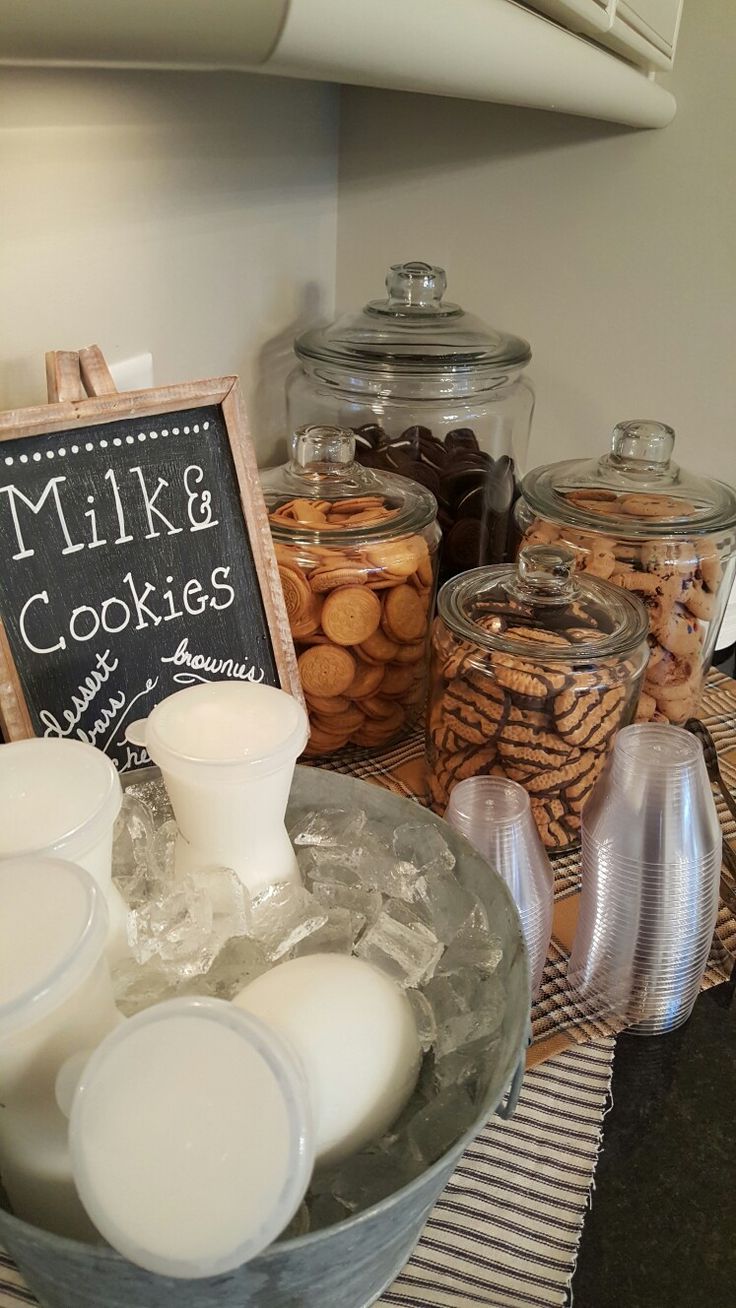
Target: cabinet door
column 656, row 20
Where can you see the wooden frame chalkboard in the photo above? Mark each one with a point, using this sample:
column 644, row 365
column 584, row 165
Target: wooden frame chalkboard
column 135, row 558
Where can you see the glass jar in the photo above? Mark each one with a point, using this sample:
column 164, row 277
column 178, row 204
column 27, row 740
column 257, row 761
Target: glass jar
column 357, row 556
column 534, row 669
column 433, row 394
column 637, row 519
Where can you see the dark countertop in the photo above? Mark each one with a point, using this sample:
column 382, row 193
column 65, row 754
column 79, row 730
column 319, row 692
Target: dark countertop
column 661, row 1229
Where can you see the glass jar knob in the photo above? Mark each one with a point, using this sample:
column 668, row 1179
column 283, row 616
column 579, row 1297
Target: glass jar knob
column 643, row 444
column 545, row 573
column 415, row 285
column 322, row 451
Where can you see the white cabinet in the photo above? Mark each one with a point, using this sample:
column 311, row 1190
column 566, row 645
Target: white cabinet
column 478, row 49
column 644, row 31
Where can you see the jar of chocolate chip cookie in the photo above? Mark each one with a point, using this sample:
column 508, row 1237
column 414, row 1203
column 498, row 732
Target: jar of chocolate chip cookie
column 432, row 393
column 641, row 522
column 534, row 669
column 357, row 557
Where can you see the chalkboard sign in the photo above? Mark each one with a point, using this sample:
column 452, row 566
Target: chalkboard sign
column 137, row 560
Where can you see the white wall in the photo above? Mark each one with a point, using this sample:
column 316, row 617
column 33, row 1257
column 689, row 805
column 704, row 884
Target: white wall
column 187, row 214
column 613, row 251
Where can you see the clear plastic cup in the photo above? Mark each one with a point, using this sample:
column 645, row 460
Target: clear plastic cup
column 55, row 1001
column 227, row 752
column 650, row 867
column 495, row 815
column 60, row 798
column 191, row 1137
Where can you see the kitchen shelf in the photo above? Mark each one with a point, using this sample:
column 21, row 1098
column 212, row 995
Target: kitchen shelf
column 476, row 49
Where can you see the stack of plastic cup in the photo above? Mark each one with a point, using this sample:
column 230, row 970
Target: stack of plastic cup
column 495, row 815
column 651, row 860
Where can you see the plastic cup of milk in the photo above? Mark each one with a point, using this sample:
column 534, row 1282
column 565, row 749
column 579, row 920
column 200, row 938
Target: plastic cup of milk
column 56, row 1001
column 355, row 1034
column 190, row 1137
column 227, row 752
column 60, row 798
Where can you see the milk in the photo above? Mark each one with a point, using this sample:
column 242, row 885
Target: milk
column 60, row 798
column 214, row 1160
column 55, row 1001
column 355, row 1034
column 227, row 752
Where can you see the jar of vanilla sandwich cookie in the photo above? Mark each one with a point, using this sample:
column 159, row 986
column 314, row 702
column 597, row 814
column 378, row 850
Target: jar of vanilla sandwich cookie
column 534, row 670
column 357, row 557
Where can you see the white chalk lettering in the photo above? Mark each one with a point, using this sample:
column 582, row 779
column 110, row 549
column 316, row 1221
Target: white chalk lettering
column 81, row 636
column 51, row 489
column 150, row 506
column 43, row 597
column 218, row 669
column 222, row 586
column 203, row 518
column 123, row 537
column 193, row 587
column 140, row 603
column 83, row 697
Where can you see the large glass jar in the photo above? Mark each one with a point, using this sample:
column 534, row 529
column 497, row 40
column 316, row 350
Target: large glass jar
column 357, row 556
column 659, row 532
column 433, row 394
column 534, row 670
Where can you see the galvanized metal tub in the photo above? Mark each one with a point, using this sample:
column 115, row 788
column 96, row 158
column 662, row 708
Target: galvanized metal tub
column 345, row 1266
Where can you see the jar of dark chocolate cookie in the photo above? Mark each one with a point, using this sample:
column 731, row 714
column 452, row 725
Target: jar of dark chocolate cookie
column 641, row 522
column 432, row 393
column 534, row 669
column 357, row 557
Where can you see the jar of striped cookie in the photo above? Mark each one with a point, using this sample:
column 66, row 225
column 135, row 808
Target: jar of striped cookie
column 357, row 557
column 534, row 669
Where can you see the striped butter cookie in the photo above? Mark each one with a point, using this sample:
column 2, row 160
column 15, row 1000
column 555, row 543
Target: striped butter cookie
column 533, row 750
column 476, row 717
column 588, row 720
column 526, row 681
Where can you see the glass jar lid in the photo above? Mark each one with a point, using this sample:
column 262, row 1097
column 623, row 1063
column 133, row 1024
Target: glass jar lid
column 636, row 490
column 414, row 331
column 541, row 610
column 323, row 495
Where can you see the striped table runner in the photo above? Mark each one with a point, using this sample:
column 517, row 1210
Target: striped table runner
column 505, row 1232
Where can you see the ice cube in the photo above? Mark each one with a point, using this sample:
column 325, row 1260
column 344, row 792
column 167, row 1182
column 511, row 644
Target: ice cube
column 444, row 905
column 378, row 869
column 163, row 851
column 324, row 864
column 329, row 827
column 423, row 845
column 137, row 986
column 335, row 937
column 440, row 1123
column 238, row 963
column 363, row 905
column 132, row 841
column 229, row 900
column 175, row 925
column 471, row 1067
column 408, row 954
column 283, row 915
column 153, row 794
column 468, row 1009
column 424, row 1018
column 474, row 946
